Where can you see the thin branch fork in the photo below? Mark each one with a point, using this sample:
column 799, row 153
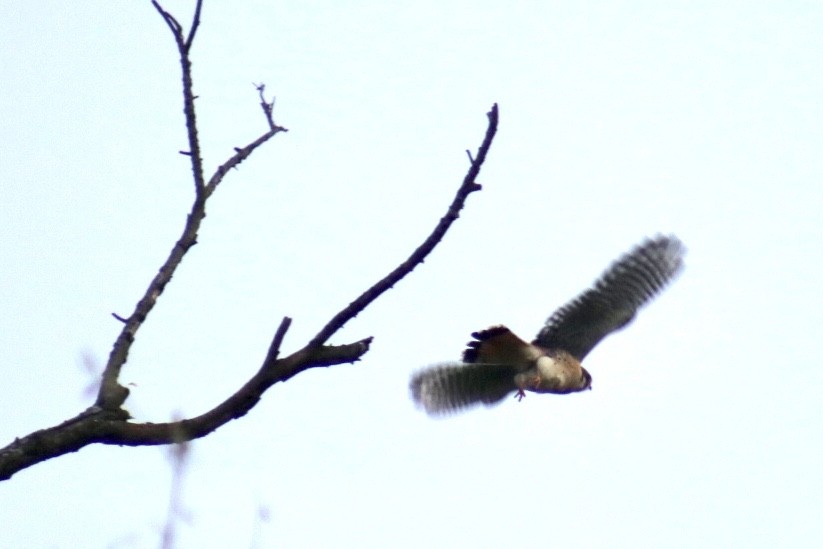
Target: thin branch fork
column 183, row 48
column 112, row 394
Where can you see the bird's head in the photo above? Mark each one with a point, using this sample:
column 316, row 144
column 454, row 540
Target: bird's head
column 585, row 380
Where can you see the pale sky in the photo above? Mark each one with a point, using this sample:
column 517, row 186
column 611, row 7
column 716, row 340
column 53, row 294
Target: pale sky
column 618, row 120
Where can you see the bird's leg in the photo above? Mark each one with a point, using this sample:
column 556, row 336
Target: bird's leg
column 526, row 381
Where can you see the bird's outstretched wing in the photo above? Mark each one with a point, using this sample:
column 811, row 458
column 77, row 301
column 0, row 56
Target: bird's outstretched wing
column 628, row 284
column 490, row 363
column 452, row 386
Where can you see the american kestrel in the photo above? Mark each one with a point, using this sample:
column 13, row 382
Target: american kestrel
column 498, row 362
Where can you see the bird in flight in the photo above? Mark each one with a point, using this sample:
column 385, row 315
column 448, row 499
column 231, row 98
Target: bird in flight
column 497, row 363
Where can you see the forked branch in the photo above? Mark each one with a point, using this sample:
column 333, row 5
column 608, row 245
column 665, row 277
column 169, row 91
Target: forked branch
column 112, row 394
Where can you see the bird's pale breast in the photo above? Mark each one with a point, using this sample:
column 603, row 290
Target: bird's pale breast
column 555, row 372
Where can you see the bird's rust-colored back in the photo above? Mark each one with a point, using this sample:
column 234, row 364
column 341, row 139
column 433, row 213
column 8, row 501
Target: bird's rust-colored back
column 499, row 345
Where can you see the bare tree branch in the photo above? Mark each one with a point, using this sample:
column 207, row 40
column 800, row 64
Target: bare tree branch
column 174, row 25
column 107, row 422
column 96, row 425
column 241, row 153
column 469, row 186
column 274, row 348
column 195, row 23
column 111, row 394
column 183, row 47
column 267, row 106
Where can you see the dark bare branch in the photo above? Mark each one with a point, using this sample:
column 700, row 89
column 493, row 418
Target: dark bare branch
column 274, row 348
column 267, row 106
column 469, row 186
column 96, row 425
column 195, row 22
column 239, row 156
column 111, row 394
column 183, row 48
column 173, row 24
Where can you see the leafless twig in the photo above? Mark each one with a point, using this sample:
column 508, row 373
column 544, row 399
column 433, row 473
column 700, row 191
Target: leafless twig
column 469, row 186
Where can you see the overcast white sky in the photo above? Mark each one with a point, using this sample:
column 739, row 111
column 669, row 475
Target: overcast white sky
column 618, row 120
